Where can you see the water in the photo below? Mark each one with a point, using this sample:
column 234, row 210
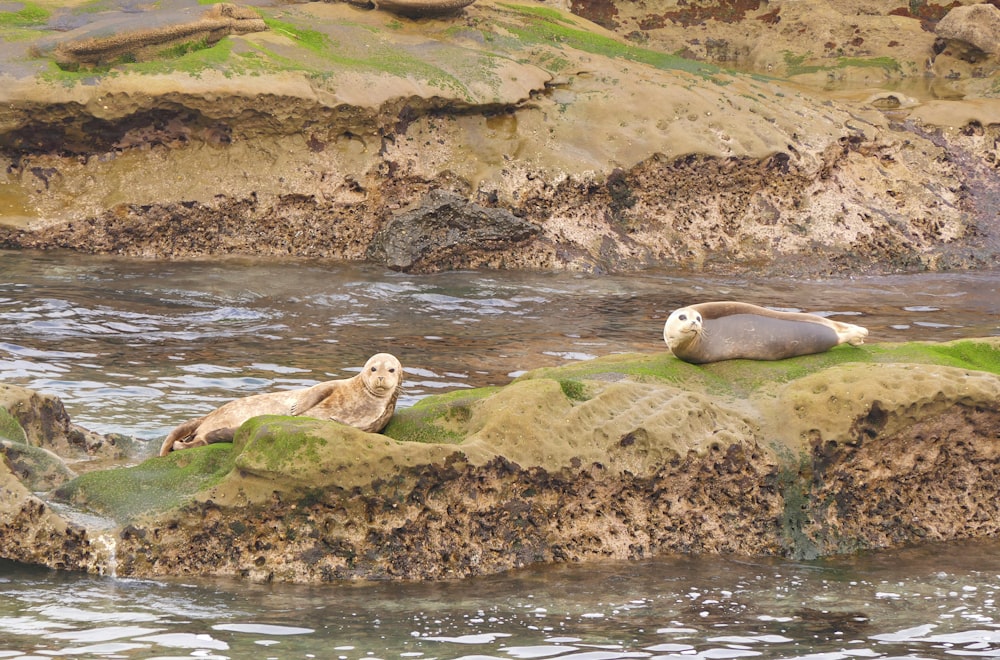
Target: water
column 929, row 602
column 135, row 347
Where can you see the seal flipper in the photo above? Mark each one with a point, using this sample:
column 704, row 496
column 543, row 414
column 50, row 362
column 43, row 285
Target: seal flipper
column 220, row 435
column 185, row 431
column 312, row 397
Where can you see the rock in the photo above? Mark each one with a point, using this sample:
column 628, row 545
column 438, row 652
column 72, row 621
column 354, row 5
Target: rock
column 38, row 469
column 31, row 532
column 422, row 8
column 40, row 420
column 446, row 231
column 624, row 456
column 978, row 25
column 139, row 44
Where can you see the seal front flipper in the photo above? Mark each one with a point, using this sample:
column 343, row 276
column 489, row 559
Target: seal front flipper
column 311, row 397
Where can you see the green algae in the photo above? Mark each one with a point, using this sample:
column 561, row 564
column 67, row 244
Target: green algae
column 545, row 26
column 437, row 419
column 10, row 428
column 290, row 441
column 796, row 66
column 158, row 484
column 310, row 39
column 29, row 15
column 574, row 390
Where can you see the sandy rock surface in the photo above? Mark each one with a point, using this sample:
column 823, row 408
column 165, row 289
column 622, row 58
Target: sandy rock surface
column 790, row 136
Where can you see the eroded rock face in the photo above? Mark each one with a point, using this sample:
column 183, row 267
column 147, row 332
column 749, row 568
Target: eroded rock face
column 445, row 231
column 618, row 457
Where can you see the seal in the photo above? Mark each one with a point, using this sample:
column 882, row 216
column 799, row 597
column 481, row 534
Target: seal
column 365, row 401
column 715, row 331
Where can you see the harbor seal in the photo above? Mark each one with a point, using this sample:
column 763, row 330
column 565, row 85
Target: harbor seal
column 715, row 331
column 365, row 401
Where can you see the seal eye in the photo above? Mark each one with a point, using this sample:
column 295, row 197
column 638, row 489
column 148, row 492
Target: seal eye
column 683, row 317
column 373, row 369
column 392, row 370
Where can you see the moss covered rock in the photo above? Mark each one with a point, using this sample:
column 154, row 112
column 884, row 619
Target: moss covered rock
column 622, row 456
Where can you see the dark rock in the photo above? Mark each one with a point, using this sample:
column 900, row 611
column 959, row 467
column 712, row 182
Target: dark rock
column 446, row 231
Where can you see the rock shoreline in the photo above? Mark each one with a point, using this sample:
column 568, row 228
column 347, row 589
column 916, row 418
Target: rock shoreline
column 518, row 111
column 620, row 457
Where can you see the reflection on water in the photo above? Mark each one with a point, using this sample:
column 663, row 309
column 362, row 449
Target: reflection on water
column 937, row 601
column 136, row 347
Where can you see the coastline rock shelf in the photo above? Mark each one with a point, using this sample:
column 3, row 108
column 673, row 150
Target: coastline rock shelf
column 625, row 456
column 794, row 137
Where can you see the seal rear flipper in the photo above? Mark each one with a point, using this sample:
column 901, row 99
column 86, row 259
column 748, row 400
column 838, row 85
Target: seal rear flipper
column 220, row 435
column 183, row 432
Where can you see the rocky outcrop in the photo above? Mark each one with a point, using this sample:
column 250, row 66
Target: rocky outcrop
column 976, row 25
column 41, row 420
column 612, row 153
column 618, row 457
column 445, row 231
column 422, row 8
column 139, row 44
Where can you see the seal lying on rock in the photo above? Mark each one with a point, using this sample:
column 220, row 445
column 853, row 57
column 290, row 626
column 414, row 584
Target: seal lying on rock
column 714, row 331
column 365, row 401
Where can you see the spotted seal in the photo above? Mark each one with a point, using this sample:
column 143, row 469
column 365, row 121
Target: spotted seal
column 715, row 331
column 365, row 401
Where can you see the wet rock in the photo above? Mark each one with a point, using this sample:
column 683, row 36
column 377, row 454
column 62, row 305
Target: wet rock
column 446, row 231
column 977, row 25
column 422, row 8
column 38, row 469
column 43, row 422
column 137, row 44
column 31, row 532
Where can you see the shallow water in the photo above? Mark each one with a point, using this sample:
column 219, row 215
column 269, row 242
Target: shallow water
column 136, row 347
column 938, row 601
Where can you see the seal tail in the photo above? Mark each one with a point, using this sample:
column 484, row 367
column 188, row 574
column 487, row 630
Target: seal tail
column 182, row 432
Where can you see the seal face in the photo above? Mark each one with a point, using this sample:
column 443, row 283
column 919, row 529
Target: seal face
column 365, row 401
column 715, row 331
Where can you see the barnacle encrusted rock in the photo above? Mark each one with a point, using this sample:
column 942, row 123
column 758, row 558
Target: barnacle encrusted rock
column 623, row 456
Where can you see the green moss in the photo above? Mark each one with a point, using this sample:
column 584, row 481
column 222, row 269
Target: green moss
column 795, row 64
column 887, row 63
column 155, row 485
column 573, row 389
column 10, row 428
column 547, row 26
column 181, row 49
column 438, row 419
column 542, row 12
column 310, row 39
column 289, row 442
column 29, row 15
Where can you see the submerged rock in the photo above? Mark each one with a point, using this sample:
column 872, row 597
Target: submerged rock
column 625, row 456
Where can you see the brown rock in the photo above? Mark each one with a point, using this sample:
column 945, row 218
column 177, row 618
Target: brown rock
column 978, row 25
